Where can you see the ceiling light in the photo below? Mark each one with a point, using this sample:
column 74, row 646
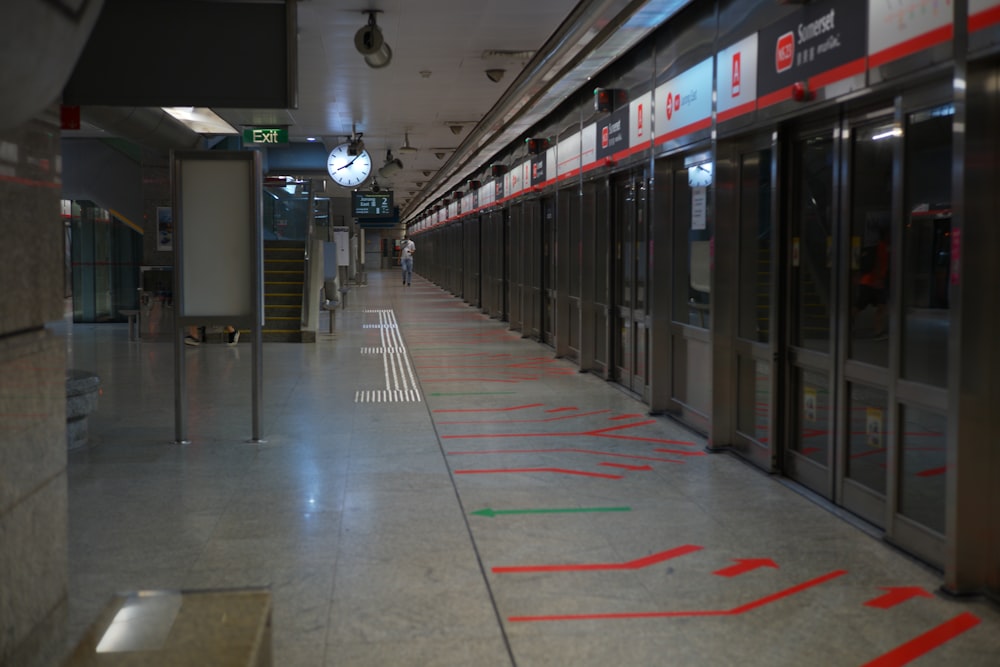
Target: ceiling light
column 439, row 155
column 406, row 147
column 510, row 55
column 370, row 43
column 455, row 129
column 201, row 120
column 495, row 74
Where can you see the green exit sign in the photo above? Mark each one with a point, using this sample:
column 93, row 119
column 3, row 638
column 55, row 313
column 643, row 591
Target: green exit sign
column 265, row 135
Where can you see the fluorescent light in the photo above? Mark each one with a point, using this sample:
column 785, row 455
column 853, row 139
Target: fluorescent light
column 201, row 120
column 894, row 132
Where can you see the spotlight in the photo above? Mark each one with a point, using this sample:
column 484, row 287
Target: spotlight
column 455, row 128
column 370, row 43
column 439, row 156
column 495, row 74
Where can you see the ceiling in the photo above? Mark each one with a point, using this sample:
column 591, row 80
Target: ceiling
column 435, row 92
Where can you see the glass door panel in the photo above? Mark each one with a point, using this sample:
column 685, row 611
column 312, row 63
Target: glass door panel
column 751, row 167
column 811, row 401
column 756, row 268
column 873, row 149
column 867, row 439
column 630, row 287
column 927, row 246
column 812, row 245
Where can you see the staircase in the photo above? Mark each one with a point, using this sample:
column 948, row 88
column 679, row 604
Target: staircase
column 284, row 277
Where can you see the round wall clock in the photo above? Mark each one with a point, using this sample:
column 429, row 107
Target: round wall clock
column 348, row 170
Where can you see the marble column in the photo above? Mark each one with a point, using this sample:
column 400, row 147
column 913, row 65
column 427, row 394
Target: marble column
column 33, row 509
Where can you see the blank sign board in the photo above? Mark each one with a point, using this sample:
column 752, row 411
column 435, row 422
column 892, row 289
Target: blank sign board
column 216, row 218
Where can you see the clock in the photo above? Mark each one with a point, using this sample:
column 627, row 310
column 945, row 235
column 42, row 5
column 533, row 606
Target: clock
column 700, row 175
column 348, row 170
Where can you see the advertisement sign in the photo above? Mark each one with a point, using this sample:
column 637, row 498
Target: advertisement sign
column 822, row 43
column 898, row 29
column 164, row 228
column 588, row 147
column 737, row 76
column 538, row 169
column 568, row 152
column 640, row 125
column 684, row 103
column 612, row 133
column 983, row 14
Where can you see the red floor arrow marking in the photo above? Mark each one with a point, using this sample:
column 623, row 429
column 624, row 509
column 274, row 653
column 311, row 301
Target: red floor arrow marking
column 620, row 417
column 573, row 450
column 932, row 472
column 630, row 565
column 563, row 471
column 597, row 433
column 567, row 409
column 510, row 409
column 926, row 642
column 896, row 595
column 684, row 614
column 626, row 466
column 527, row 421
column 744, row 565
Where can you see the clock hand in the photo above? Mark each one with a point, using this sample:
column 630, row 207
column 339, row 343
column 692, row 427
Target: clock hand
column 348, row 164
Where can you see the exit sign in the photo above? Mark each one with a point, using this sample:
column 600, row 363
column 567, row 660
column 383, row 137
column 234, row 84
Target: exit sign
column 265, row 135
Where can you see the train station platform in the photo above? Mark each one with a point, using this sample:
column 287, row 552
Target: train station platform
column 433, row 489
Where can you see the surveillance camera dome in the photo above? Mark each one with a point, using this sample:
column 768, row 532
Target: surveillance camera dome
column 495, row 74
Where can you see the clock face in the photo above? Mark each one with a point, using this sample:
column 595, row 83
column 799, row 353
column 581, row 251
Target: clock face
column 700, row 176
column 349, row 171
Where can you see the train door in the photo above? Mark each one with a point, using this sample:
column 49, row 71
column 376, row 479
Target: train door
column 630, row 272
column 531, row 247
column 747, row 275
column 505, row 264
column 814, row 219
column 471, row 259
column 516, row 266
column 569, row 254
column 595, row 278
column 548, row 288
column 869, row 220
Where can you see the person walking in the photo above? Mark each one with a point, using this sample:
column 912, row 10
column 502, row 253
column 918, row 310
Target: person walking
column 406, row 250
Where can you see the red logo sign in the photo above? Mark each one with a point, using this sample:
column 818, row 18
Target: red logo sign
column 639, row 121
column 604, row 137
column 737, row 71
column 784, row 52
column 670, row 106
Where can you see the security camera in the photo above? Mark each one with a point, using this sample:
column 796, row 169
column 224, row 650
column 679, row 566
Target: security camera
column 391, row 167
column 495, row 74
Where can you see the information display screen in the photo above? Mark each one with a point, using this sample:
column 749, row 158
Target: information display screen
column 372, row 204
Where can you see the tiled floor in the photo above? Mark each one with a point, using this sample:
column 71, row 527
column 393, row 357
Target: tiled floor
column 613, row 538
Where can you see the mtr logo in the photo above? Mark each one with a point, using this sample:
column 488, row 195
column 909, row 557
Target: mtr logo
column 784, row 52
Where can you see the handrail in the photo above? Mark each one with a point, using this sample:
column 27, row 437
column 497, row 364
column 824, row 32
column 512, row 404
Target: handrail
column 307, row 301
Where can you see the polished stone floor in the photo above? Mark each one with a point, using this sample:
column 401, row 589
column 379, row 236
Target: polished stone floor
column 432, row 489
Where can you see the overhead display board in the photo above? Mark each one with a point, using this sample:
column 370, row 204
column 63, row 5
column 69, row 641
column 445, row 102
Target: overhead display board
column 372, row 204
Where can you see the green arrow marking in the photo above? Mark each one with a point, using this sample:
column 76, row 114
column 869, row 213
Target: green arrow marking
column 492, row 512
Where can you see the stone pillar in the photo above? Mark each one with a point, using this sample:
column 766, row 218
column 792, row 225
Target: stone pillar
column 33, row 493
